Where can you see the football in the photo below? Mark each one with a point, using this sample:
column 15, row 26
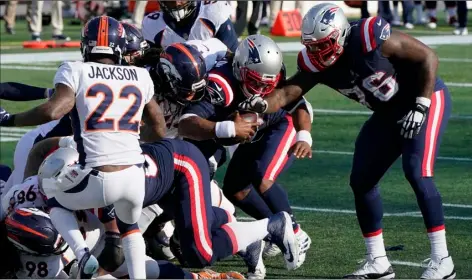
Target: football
column 247, row 116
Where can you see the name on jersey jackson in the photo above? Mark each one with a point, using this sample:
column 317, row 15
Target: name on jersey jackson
column 112, row 73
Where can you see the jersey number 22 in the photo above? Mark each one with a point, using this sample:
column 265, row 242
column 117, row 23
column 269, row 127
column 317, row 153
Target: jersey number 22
column 97, row 121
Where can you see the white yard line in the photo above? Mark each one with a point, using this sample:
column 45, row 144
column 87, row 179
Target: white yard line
column 368, row 113
column 413, row 264
column 452, row 205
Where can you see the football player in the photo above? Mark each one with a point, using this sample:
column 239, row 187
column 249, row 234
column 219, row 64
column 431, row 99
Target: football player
column 184, row 190
column 135, row 48
column 179, row 21
column 250, row 180
column 106, row 104
column 394, row 75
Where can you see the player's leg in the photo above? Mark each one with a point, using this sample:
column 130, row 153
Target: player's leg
column 237, row 185
column 202, row 245
column 375, row 151
column 419, row 155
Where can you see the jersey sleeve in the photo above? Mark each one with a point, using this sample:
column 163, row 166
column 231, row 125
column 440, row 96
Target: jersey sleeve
column 68, row 74
column 22, row 92
column 212, row 15
column 219, row 89
column 204, row 109
column 373, row 32
column 304, row 64
column 151, row 31
column 212, row 50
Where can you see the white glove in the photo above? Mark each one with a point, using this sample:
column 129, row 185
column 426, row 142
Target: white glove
column 413, row 120
column 254, row 104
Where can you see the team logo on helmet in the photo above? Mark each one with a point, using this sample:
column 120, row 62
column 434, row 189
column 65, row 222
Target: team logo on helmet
column 254, row 57
column 385, row 34
column 329, row 15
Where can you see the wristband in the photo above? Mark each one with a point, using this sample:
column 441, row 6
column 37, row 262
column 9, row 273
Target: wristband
column 305, row 136
column 225, row 129
column 423, row 101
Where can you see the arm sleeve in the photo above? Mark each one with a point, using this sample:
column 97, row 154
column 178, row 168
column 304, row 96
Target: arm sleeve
column 21, row 92
column 203, row 109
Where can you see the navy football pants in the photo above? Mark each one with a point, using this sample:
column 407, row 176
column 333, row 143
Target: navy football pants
column 203, row 237
column 379, row 144
column 261, row 160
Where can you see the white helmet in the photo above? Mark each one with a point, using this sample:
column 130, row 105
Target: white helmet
column 59, row 171
column 324, row 32
column 257, row 63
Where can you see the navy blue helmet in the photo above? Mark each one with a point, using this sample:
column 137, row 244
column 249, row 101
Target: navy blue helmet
column 182, row 75
column 134, row 40
column 32, row 232
column 178, row 10
column 103, row 37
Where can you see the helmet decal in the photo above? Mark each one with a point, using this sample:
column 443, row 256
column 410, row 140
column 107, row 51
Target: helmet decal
column 329, row 15
column 254, row 57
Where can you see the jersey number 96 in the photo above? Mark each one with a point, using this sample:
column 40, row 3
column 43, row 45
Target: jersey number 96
column 97, row 121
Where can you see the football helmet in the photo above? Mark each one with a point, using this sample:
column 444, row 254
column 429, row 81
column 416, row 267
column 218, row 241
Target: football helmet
column 178, row 10
column 324, row 32
column 181, row 73
column 103, row 37
column 32, row 232
column 257, row 64
column 135, row 43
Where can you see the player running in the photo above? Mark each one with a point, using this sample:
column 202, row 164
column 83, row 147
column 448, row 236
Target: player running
column 106, row 102
column 394, row 75
column 179, row 21
column 250, row 180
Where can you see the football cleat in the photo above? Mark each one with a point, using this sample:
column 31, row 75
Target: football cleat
column 373, row 268
column 304, row 242
column 461, row 31
column 252, row 256
column 281, row 233
column 270, row 250
column 210, row 274
column 436, row 268
column 87, row 266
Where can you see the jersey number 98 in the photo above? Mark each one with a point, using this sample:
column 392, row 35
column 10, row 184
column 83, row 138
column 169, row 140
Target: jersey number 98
column 97, row 121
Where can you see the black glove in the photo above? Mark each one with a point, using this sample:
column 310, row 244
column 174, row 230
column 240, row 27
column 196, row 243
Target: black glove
column 112, row 255
column 6, row 119
column 254, row 104
column 414, row 119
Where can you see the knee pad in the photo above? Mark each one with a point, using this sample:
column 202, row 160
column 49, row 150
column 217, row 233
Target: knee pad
column 112, row 256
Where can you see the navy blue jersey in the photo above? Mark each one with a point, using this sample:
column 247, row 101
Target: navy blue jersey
column 363, row 74
column 61, row 129
column 223, row 96
column 159, row 170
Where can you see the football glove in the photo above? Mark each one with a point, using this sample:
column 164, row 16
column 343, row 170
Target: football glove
column 5, row 118
column 254, row 104
column 411, row 123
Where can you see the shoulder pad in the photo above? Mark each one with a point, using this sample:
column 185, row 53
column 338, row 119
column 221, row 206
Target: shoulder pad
column 304, row 64
column 219, row 89
column 373, row 32
column 152, row 25
column 215, row 12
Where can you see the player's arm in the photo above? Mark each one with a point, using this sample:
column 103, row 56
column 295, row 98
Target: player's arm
column 295, row 87
column 60, row 103
column 302, row 115
column 154, row 128
column 411, row 52
column 21, row 92
column 38, row 153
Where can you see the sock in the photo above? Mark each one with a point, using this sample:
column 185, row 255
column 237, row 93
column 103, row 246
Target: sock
column 432, row 12
column 169, row 270
column 374, row 244
column 395, row 12
column 243, row 234
column 135, row 254
column 438, row 243
column 277, row 200
column 219, row 200
column 66, row 224
column 254, row 205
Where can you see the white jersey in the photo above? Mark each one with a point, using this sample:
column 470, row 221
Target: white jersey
column 214, row 12
column 109, row 105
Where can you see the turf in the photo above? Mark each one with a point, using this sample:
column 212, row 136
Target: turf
column 319, row 187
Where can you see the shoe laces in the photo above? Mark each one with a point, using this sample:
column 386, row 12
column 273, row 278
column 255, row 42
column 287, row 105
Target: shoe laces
column 430, row 264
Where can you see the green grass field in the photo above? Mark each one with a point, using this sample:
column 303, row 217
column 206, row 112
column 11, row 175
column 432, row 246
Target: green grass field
column 319, row 190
